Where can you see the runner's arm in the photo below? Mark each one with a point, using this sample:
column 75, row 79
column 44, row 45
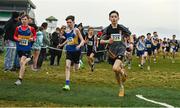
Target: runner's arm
column 34, row 36
column 16, row 34
column 80, row 37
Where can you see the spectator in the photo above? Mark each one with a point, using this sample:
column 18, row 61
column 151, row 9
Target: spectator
column 46, row 43
column 10, row 42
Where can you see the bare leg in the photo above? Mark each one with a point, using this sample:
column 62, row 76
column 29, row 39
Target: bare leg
column 35, row 59
column 119, row 73
column 23, row 62
column 68, row 67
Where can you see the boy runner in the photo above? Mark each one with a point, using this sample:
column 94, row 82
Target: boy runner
column 24, row 35
column 116, row 48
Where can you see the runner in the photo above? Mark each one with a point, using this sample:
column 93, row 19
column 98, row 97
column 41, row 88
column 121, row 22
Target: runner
column 173, row 48
column 74, row 41
column 116, row 48
column 164, row 43
column 155, row 41
column 167, row 49
column 91, row 47
column 140, row 51
column 148, row 50
column 128, row 53
column 24, row 35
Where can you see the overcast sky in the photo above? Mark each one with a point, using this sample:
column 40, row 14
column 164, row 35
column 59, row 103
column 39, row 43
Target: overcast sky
column 141, row 16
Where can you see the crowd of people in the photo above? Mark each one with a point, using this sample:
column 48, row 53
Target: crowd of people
column 26, row 43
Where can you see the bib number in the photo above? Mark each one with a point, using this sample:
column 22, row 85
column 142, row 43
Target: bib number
column 70, row 41
column 90, row 43
column 23, row 42
column 116, row 37
column 148, row 45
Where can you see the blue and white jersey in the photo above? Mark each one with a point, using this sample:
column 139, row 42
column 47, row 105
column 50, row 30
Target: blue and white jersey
column 141, row 45
column 72, row 41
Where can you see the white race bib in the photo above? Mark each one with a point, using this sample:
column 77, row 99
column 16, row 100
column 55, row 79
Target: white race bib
column 90, row 43
column 23, row 42
column 116, row 37
column 148, row 45
column 172, row 46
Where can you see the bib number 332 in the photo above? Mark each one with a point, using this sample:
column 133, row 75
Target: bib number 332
column 23, row 42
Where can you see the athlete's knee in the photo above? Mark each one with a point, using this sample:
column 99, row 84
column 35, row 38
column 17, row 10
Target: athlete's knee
column 91, row 57
column 77, row 66
column 68, row 67
column 116, row 69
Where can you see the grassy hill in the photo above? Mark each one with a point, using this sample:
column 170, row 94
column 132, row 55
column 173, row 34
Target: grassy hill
column 44, row 88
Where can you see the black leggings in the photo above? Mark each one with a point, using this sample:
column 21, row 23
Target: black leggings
column 55, row 53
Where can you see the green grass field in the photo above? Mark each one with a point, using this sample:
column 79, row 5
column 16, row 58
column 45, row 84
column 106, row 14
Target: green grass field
column 98, row 89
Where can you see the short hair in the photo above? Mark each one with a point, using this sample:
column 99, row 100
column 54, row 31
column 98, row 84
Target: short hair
column 70, row 17
column 154, row 32
column 90, row 28
column 142, row 36
column 58, row 28
column 25, row 15
column 44, row 24
column 148, row 33
column 15, row 15
column 114, row 11
column 80, row 25
column 40, row 28
column 63, row 27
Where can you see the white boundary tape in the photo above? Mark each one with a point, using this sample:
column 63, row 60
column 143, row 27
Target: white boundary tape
column 65, row 50
column 10, row 47
column 61, row 49
column 155, row 102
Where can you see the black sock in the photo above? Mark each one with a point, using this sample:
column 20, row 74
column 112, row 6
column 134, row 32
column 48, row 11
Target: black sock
column 20, row 79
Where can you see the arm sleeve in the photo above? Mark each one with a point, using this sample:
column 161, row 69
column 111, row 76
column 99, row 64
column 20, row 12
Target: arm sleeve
column 33, row 33
column 125, row 30
column 16, row 34
column 105, row 35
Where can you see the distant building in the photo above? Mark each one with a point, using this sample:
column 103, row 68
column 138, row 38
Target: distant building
column 9, row 6
column 52, row 23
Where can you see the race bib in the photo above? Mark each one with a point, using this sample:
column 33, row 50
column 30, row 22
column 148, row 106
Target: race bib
column 172, row 46
column 116, row 37
column 90, row 43
column 70, row 41
column 148, row 45
column 23, row 42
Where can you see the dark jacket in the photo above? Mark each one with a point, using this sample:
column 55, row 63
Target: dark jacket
column 55, row 40
column 9, row 29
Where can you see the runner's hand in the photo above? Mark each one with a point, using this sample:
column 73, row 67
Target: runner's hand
column 111, row 41
column 31, row 39
column 60, row 45
column 78, row 47
column 19, row 39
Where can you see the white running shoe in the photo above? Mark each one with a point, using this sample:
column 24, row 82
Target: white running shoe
column 18, row 82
